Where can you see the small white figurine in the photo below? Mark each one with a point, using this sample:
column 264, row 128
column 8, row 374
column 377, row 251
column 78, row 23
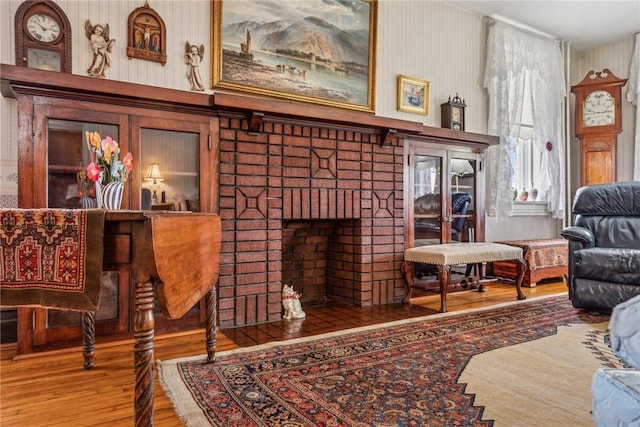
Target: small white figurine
column 291, row 303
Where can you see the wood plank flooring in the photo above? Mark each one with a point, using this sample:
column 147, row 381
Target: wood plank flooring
column 53, row 389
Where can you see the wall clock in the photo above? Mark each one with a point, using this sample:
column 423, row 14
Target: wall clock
column 452, row 113
column 598, row 122
column 43, row 36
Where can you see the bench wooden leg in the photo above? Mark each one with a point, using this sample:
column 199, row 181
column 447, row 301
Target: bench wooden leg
column 407, row 272
column 444, row 277
column 521, row 266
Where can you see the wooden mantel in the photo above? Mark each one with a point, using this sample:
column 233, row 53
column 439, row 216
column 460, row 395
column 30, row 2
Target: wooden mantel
column 21, row 80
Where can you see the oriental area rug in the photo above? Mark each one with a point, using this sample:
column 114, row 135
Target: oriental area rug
column 526, row 363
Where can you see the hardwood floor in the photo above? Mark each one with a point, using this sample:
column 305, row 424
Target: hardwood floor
column 53, row 389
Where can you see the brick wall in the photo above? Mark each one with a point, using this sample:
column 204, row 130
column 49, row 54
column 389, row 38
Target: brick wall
column 290, row 178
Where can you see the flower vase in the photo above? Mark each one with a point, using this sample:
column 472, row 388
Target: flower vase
column 112, row 195
column 99, row 196
column 87, row 202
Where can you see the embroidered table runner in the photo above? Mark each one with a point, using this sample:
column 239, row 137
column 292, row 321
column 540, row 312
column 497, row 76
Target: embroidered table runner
column 51, row 258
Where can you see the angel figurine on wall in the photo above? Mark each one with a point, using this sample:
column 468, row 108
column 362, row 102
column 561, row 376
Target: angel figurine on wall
column 192, row 57
column 101, row 47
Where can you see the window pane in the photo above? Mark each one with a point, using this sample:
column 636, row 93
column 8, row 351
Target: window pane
column 177, row 159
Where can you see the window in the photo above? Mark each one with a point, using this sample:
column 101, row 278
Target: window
column 525, row 158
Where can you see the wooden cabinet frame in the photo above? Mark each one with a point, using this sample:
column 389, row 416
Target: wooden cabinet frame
column 121, row 107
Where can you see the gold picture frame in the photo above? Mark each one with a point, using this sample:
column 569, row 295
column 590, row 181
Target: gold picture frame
column 308, row 50
column 413, row 95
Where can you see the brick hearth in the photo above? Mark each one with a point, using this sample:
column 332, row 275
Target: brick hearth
column 289, row 178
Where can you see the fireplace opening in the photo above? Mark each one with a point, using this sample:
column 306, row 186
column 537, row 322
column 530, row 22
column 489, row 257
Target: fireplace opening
column 319, row 260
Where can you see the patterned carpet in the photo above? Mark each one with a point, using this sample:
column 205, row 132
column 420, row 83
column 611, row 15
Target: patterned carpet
column 398, row 374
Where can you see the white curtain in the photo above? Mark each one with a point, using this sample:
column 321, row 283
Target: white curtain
column 633, row 96
column 513, row 56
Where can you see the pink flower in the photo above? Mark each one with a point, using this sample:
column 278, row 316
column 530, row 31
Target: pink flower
column 109, row 146
column 93, row 171
column 128, row 162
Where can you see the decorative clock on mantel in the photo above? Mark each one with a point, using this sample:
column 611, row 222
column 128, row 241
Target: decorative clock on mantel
column 452, row 113
column 597, row 124
column 43, row 36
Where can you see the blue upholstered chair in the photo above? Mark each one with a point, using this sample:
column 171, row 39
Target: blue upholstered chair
column 616, row 392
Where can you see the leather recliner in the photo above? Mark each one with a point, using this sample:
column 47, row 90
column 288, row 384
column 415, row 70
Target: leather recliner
column 604, row 246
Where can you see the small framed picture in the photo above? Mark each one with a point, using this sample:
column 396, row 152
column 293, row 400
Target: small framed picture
column 413, row 95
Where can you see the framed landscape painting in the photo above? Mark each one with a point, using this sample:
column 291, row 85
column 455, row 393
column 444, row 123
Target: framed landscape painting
column 314, row 51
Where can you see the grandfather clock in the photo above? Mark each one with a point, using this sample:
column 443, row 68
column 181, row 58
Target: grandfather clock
column 597, row 125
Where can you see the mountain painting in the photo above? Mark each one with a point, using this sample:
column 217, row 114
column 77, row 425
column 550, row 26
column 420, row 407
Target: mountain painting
column 319, row 51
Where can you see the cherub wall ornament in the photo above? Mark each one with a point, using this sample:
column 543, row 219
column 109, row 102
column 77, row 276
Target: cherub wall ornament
column 192, row 57
column 101, row 47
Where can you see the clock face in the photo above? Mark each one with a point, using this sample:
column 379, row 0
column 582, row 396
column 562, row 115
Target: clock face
column 599, row 109
column 43, row 28
column 456, row 126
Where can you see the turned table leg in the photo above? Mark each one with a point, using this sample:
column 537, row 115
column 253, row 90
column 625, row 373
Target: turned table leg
column 88, row 338
column 212, row 314
column 143, row 328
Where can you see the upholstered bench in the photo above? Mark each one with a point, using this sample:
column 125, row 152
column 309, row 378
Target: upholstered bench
column 545, row 258
column 447, row 254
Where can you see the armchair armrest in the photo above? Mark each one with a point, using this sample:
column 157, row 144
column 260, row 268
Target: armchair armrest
column 579, row 235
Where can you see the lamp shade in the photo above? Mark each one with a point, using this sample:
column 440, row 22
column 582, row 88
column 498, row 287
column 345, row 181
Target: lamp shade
column 461, row 167
column 153, row 173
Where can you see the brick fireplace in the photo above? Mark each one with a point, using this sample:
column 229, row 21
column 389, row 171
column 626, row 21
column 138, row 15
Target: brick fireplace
column 316, row 206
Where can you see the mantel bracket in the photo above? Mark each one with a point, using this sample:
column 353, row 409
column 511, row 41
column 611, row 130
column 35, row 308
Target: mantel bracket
column 386, row 135
column 255, row 121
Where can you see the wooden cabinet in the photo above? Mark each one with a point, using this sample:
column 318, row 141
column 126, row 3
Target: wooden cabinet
column 444, row 193
column 53, row 150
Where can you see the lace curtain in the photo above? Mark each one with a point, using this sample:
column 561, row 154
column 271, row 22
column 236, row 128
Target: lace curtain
column 633, row 96
column 513, row 56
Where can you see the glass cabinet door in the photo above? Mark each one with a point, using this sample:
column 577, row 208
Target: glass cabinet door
column 427, row 199
column 66, row 164
column 462, row 197
column 170, row 170
column 441, row 195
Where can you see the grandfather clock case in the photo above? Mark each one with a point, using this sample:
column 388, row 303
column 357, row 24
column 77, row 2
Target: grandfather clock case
column 598, row 121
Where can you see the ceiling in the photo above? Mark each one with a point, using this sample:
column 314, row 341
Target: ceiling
column 586, row 24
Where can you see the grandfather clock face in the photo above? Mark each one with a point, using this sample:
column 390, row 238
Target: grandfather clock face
column 599, row 109
column 43, row 36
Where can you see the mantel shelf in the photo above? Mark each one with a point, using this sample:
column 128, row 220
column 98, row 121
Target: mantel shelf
column 21, row 80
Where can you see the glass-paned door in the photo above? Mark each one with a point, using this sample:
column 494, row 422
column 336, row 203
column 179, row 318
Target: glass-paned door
column 462, row 171
column 427, row 195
